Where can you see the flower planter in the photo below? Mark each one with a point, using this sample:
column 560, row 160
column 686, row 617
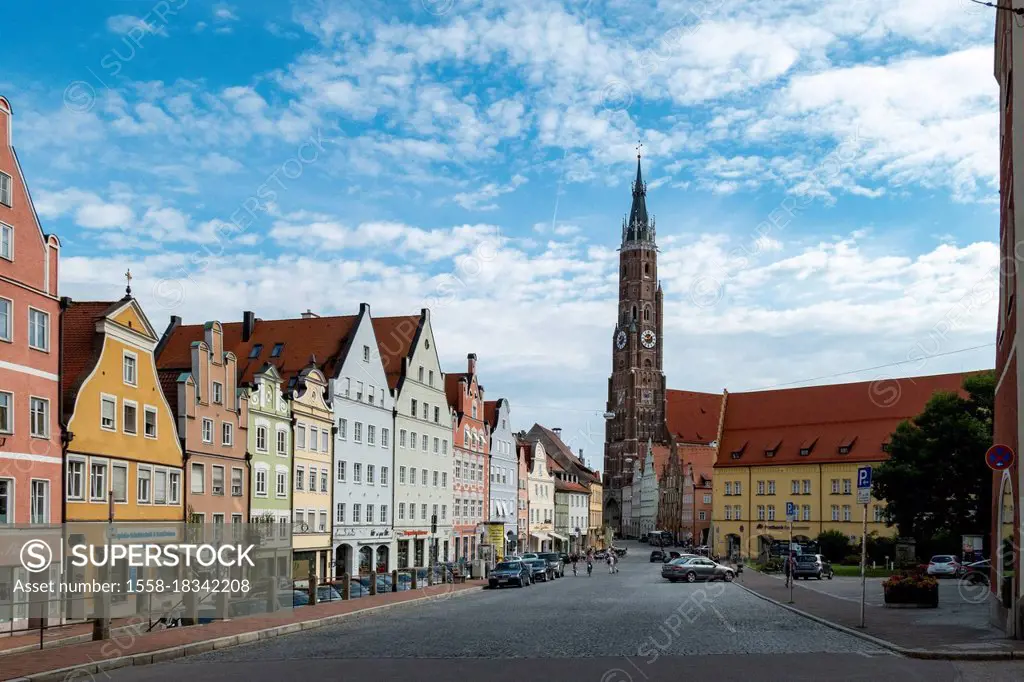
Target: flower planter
column 910, row 595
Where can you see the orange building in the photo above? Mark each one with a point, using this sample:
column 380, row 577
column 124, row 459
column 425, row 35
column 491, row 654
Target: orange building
column 470, row 474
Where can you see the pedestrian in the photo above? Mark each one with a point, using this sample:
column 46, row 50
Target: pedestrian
column 790, row 561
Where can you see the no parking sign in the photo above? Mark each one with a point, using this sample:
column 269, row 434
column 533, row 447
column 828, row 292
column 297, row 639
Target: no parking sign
column 999, row 457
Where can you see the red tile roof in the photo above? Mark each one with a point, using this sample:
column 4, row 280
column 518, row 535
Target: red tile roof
column 569, row 487
column 81, row 345
column 829, row 416
column 693, row 416
column 555, row 447
column 491, row 413
column 553, row 464
column 395, row 339
column 326, row 338
column 452, row 389
column 661, row 455
column 702, row 458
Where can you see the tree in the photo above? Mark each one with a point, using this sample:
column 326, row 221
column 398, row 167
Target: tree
column 834, row 545
column 936, row 482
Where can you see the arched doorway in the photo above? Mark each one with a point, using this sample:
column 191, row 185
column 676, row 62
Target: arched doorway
column 764, row 546
column 342, row 560
column 365, row 560
column 732, row 544
column 383, row 556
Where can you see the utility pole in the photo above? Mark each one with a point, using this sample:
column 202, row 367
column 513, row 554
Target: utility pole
column 864, row 497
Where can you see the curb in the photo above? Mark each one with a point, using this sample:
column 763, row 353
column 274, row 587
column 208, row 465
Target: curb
column 184, row 650
column 927, row 654
column 58, row 643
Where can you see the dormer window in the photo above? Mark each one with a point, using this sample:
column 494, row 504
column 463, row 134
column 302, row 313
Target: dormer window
column 885, row 447
column 769, row 453
column 804, row 452
column 737, row 454
column 772, row 448
column 256, row 350
column 844, row 449
column 276, row 351
column 846, row 444
column 807, row 446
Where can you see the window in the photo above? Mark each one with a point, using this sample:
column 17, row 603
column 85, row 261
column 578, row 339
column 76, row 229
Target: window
column 760, row 512
column 835, row 512
column 98, row 480
column 414, row 410
column 760, row 487
column 423, row 477
column 371, row 394
column 207, row 430
column 771, row 512
column 282, row 441
column 356, row 513
column 423, row 512
column 313, row 438
column 6, row 308
column 806, row 512
column 6, row 242
column 300, row 437
column 300, row 478
column 728, row 512
column 226, row 433
column 425, row 442
column 159, row 486
column 218, row 480
column 420, row 375
column 728, row 488
column 437, row 445
column 339, row 514
column 436, row 478
column 357, row 473
column 807, row 487
column 426, row 411
column 357, row 432
column 430, row 380
column 412, row 440
column 236, row 482
column 401, row 438
column 38, row 329
column 366, row 353
column 261, row 439
column 256, row 350
column 444, row 479
column 119, row 482
column 707, row 499
column 149, row 421
column 218, row 393
column 371, row 434
column 383, row 513
column 40, row 502
column 174, row 478
column 39, row 417
column 343, row 429
column 878, row 514
column 370, row 474
column 341, row 471
column 796, row 487
column 771, row 487
column 384, row 476
column 129, row 369
column 736, row 488
column 6, row 418
column 198, row 478
column 282, row 484
column 323, row 480
column 143, row 485
column 312, row 479
column 5, row 189
column 261, row 482
column 846, row 512
column 847, row 486
column 401, row 475
column 323, row 521
column 703, row 516
column 412, row 475
column 444, row 446
column 835, row 486
column 359, row 390
column 444, row 511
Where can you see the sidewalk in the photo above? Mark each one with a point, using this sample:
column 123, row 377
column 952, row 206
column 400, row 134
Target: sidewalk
column 52, row 637
column 924, row 633
column 141, row 648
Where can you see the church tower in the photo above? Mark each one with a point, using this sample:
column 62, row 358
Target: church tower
column 636, row 388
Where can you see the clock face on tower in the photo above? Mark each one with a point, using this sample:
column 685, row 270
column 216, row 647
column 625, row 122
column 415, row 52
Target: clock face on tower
column 648, row 338
column 620, row 340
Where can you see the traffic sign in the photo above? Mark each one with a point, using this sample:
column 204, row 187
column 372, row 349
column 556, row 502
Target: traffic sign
column 790, row 511
column 864, row 478
column 863, row 495
column 1000, row 457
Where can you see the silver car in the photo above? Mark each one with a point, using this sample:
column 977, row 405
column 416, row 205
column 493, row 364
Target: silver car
column 944, row 565
column 702, row 568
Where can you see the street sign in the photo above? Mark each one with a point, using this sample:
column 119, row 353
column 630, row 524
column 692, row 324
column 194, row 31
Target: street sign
column 863, row 495
column 999, row 457
column 790, row 511
column 864, row 478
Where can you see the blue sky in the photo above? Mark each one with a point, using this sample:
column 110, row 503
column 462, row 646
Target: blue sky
column 475, row 157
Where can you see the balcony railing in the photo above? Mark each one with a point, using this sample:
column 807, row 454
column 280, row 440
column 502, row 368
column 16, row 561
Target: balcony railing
column 305, row 528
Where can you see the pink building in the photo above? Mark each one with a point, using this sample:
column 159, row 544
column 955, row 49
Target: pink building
column 30, row 434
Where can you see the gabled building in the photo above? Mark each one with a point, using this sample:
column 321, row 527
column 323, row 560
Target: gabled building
column 504, row 473
column 212, row 415
column 804, row 445
column 574, row 518
column 471, row 453
column 541, row 489
column 423, row 444
column 270, row 443
column 121, row 432
column 523, row 458
column 30, row 430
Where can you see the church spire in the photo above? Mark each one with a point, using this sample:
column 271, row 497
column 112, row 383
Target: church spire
column 637, row 227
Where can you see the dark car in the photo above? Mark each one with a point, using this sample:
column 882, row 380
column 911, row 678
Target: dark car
column 601, row 554
column 812, row 566
column 510, row 573
column 657, row 555
column 566, row 559
column 540, row 570
column 554, row 560
column 977, row 573
column 619, row 551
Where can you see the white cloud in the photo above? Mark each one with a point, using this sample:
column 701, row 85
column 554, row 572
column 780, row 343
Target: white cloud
column 481, row 199
column 124, row 24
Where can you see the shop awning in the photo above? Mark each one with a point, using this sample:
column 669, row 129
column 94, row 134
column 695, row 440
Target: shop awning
column 560, row 538
column 539, row 536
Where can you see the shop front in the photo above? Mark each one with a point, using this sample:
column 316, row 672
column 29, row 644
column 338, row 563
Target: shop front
column 358, row 551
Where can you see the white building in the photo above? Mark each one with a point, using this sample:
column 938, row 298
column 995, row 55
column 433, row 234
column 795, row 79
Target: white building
column 648, row 494
column 541, row 484
column 363, row 455
column 423, row 446
column 504, row 475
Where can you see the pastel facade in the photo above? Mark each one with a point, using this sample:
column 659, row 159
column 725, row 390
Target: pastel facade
column 423, row 442
column 523, row 450
column 30, row 433
column 504, row 472
column 270, row 445
column 123, row 440
column 541, row 488
column 471, row 459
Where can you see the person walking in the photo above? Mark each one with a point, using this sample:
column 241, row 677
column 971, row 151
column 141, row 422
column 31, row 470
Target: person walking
column 611, row 562
column 790, row 562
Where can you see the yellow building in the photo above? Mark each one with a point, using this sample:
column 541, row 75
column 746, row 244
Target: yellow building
column 123, row 439
column 804, row 446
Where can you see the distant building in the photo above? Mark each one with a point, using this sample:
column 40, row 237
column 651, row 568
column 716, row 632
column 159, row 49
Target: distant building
column 472, row 447
column 504, row 472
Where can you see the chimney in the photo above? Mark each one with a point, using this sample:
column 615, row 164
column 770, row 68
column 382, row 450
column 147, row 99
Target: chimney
column 309, row 314
column 472, row 363
column 248, row 324
column 175, row 323
column 558, row 431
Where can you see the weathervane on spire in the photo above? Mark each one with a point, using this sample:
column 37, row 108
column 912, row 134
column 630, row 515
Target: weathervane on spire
column 128, row 276
column 639, row 144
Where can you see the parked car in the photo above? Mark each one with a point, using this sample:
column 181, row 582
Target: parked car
column 601, row 554
column 565, row 558
column 700, row 568
column 643, row 537
column 813, row 566
column 510, row 573
column 943, row 565
column 978, row 572
column 657, row 555
column 530, row 555
column 619, row 551
column 670, row 555
column 540, row 570
column 554, row 560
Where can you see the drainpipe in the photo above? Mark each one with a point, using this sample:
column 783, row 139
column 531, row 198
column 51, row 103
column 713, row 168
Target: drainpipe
column 65, row 435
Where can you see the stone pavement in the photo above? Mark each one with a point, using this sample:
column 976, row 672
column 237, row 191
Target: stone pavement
column 63, row 635
column 131, row 647
column 924, row 631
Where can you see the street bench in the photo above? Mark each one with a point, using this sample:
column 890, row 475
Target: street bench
column 458, row 576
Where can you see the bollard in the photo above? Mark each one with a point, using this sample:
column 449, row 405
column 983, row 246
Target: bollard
column 346, row 587
column 394, row 580
column 373, row 583
column 312, row 588
column 415, row 578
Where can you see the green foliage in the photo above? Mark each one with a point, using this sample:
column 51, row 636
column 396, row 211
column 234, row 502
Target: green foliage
column 936, row 483
column 881, row 549
column 834, row 545
column 851, row 560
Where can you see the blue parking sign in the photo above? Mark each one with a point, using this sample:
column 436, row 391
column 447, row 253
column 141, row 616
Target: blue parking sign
column 864, row 477
column 791, row 511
